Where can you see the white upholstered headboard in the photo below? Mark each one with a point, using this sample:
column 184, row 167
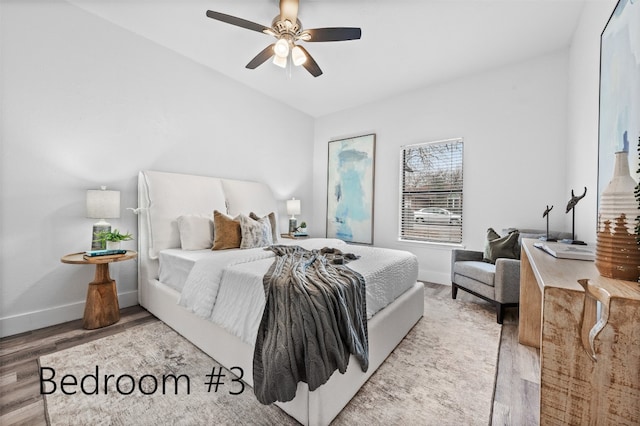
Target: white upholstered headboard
column 162, row 197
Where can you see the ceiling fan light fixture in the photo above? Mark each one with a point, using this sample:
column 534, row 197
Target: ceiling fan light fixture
column 287, row 29
column 280, row 61
column 298, row 56
column 281, row 49
column 270, row 32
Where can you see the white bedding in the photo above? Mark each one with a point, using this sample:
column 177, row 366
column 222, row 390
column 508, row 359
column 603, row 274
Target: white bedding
column 226, row 287
column 176, row 264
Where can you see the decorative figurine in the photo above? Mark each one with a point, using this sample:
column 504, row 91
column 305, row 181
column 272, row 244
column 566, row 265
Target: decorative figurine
column 546, row 214
column 571, row 207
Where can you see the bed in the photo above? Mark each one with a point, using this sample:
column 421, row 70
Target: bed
column 395, row 300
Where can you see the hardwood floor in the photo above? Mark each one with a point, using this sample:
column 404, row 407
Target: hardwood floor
column 517, row 395
column 516, row 399
column 20, row 399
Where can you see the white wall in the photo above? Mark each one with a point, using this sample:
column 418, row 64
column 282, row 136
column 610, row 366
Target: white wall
column 514, row 124
column 584, row 87
column 86, row 103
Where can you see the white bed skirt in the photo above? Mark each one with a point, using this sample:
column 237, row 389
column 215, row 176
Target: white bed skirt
column 386, row 329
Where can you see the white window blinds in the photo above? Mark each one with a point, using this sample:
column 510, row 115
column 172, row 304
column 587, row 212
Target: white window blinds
column 431, row 191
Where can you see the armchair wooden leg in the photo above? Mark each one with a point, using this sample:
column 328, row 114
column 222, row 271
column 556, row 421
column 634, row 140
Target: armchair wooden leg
column 454, row 290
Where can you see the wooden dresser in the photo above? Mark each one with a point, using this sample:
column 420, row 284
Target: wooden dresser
column 589, row 351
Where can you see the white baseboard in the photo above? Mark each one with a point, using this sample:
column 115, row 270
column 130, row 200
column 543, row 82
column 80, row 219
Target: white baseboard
column 56, row 315
column 434, row 277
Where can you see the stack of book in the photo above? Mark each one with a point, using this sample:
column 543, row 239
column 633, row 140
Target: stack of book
column 567, row 251
column 103, row 254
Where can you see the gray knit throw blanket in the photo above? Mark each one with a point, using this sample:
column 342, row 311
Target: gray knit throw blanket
column 315, row 317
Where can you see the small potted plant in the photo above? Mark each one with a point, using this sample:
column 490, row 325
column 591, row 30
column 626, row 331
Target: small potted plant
column 302, row 229
column 112, row 239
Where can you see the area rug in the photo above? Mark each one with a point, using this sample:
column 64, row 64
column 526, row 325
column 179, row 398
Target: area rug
column 442, row 373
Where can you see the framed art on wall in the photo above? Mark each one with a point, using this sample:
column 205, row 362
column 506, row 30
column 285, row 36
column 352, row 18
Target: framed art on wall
column 350, row 189
column 617, row 249
column 619, row 124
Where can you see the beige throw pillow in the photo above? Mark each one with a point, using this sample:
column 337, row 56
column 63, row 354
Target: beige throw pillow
column 226, row 234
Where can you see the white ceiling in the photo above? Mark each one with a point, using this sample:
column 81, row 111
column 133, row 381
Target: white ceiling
column 405, row 44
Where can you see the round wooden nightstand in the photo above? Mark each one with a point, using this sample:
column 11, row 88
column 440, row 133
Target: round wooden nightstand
column 101, row 308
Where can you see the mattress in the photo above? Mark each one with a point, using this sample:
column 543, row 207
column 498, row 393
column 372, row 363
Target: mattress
column 236, row 300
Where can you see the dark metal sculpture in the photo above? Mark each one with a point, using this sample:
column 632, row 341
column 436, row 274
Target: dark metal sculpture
column 571, row 207
column 546, row 214
column 574, row 200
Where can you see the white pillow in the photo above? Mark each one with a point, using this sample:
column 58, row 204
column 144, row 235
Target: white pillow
column 196, row 231
column 255, row 233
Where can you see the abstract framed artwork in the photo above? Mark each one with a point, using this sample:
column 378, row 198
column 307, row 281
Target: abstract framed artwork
column 617, row 252
column 619, row 115
column 350, row 189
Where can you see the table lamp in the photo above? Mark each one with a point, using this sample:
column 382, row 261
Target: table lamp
column 293, row 208
column 102, row 204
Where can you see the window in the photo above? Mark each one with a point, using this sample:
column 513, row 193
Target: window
column 431, row 185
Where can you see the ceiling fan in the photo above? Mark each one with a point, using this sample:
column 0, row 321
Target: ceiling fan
column 287, row 29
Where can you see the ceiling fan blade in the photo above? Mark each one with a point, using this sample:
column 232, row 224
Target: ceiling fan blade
column 289, row 10
column 261, row 57
column 239, row 22
column 333, row 34
column 310, row 64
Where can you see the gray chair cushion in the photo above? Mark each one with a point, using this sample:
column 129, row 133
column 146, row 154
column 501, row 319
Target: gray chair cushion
column 479, row 271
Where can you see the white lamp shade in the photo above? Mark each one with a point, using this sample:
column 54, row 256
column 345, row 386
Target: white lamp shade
column 298, row 56
column 281, row 48
column 103, row 204
column 280, row 61
column 293, row 207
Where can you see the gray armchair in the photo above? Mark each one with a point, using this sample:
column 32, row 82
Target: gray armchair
column 498, row 284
